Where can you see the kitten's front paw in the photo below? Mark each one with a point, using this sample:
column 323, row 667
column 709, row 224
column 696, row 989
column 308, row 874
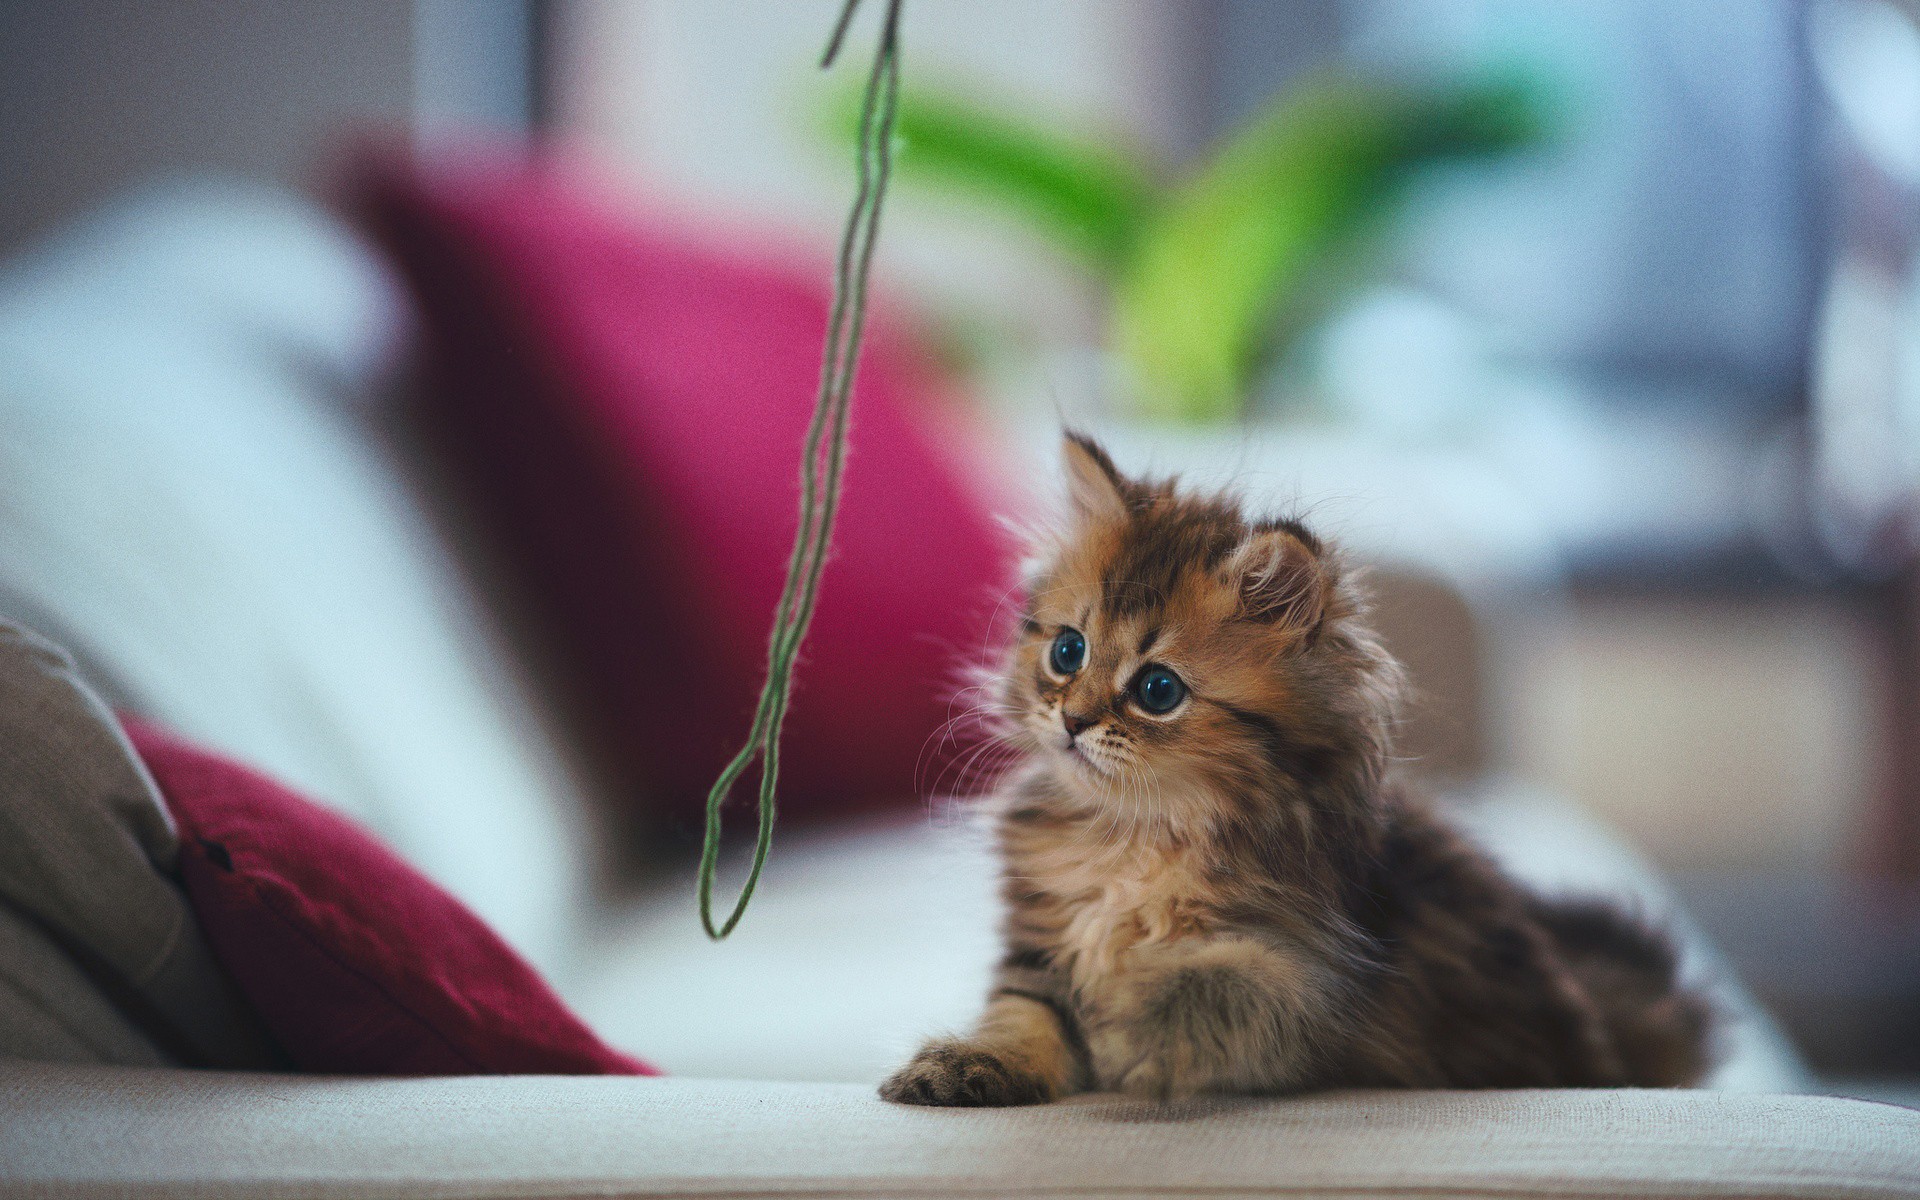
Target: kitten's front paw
column 960, row 1074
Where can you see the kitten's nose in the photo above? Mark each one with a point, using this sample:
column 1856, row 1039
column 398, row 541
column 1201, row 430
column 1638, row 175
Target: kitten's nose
column 1075, row 725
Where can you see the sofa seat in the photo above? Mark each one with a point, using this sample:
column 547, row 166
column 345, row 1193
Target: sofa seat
column 89, row 1131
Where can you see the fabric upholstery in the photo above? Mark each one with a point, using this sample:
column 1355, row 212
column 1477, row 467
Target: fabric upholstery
column 355, row 962
column 77, row 1132
column 627, row 407
column 192, row 503
column 52, row 1011
column 100, row 956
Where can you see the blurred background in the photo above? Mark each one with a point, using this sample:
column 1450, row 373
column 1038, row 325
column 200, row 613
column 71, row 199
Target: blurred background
column 1603, row 312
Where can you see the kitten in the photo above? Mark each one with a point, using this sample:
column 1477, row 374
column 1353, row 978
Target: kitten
column 1213, row 882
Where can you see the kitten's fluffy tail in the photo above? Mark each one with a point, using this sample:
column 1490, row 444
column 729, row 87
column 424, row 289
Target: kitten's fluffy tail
column 1662, row 1030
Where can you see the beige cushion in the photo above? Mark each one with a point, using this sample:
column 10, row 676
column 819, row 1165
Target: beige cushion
column 53, row 1011
column 101, row 959
column 85, row 1131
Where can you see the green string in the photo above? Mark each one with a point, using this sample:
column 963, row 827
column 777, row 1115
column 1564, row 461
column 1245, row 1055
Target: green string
column 826, row 447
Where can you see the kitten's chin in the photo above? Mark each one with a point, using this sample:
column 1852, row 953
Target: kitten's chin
column 1084, row 770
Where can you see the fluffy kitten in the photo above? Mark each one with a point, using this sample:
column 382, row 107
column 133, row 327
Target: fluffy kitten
column 1214, row 883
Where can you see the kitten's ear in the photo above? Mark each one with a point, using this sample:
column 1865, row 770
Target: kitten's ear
column 1094, row 485
column 1281, row 577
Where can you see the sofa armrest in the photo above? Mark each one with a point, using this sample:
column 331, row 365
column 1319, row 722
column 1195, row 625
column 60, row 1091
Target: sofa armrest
column 92, row 1131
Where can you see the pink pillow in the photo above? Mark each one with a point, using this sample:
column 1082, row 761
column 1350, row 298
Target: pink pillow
column 627, row 408
column 355, row 962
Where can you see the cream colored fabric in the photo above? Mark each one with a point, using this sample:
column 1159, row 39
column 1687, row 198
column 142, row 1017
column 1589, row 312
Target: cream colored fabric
column 85, row 1132
column 50, row 1011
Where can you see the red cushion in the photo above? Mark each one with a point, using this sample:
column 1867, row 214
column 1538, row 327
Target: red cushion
column 628, row 408
column 355, row 962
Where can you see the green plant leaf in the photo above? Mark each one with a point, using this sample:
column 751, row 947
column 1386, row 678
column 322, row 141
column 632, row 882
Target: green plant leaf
column 1085, row 194
column 1231, row 248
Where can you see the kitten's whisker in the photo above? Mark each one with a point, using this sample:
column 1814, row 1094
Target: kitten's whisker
column 943, row 740
column 988, row 718
column 955, row 776
column 995, row 753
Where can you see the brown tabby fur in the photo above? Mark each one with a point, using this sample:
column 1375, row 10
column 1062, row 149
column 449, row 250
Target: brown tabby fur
column 1237, row 896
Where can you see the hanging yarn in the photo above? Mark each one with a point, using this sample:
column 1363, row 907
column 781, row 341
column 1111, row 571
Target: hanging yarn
column 821, row 463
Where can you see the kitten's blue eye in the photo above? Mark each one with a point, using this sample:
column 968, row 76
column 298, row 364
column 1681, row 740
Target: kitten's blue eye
column 1159, row 690
column 1069, row 651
